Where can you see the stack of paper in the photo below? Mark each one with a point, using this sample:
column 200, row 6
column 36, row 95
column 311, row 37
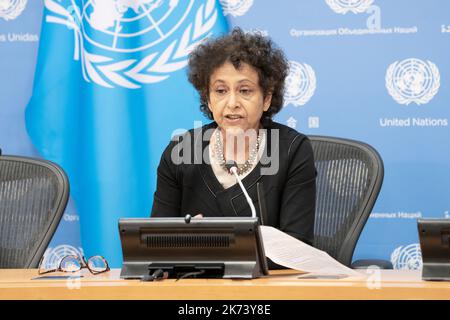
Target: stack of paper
column 289, row 252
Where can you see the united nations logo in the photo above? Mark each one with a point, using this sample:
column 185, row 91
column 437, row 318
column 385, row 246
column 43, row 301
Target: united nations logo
column 11, row 9
column 129, row 43
column 53, row 256
column 412, row 80
column 236, row 7
column 407, row 257
column 300, row 84
column 344, row 6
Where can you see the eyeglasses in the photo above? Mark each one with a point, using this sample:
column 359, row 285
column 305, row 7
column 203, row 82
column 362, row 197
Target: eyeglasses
column 73, row 263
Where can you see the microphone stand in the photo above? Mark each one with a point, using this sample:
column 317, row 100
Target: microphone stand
column 233, row 169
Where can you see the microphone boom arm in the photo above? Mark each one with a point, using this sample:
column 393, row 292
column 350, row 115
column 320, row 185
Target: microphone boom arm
column 233, row 170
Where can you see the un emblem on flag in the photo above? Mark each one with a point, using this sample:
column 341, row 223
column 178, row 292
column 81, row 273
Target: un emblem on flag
column 344, row 6
column 11, row 9
column 412, row 80
column 300, row 84
column 129, row 43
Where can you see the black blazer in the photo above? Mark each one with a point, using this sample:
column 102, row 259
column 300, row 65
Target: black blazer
column 186, row 183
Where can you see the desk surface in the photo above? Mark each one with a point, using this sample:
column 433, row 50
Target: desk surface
column 285, row 284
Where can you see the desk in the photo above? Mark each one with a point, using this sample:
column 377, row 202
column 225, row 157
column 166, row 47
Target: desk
column 283, row 284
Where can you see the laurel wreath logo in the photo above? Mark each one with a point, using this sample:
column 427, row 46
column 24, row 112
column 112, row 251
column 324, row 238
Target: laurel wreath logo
column 336, row 6
column 407, row 257
column 132, row 73
column 400, row 97
column 302, row 98
column 235, row 11
column 14, row 10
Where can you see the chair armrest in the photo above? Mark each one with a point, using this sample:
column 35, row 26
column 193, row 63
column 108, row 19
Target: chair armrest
column 366, row 263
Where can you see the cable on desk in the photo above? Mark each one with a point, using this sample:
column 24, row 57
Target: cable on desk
column 159, row 274
column 191, row 274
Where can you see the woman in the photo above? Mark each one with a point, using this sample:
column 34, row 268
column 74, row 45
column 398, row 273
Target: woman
column 240, row 79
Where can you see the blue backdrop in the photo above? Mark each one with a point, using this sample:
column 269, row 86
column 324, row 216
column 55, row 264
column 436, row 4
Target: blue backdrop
column 371, row 70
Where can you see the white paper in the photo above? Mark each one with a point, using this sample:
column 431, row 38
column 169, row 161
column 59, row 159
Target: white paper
column 290, row 252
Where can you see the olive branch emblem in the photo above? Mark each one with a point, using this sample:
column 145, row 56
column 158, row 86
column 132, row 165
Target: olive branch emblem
column 13, row 9
column 236, row 10
column 344, row 6
column 401, row 97
column 303, row 97
column 133, row 73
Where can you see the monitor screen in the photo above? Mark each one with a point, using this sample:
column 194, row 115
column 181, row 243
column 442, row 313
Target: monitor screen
column 228, row 247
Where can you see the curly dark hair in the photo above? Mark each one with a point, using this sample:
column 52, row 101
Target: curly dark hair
column 239, row 47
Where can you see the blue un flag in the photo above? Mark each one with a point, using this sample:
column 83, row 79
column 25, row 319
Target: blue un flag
column 110, row 87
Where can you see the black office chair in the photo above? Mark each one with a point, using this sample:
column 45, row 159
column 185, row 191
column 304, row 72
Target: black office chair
column 33, row 196
column 349, row 178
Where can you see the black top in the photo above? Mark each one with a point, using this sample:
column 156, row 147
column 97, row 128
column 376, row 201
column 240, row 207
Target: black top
column 186, row 183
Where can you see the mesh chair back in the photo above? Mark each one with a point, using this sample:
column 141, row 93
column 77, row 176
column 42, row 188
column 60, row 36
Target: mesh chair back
column 349, row 178
column 33, row 196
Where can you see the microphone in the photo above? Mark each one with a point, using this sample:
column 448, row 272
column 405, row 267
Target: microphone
column 232, row 168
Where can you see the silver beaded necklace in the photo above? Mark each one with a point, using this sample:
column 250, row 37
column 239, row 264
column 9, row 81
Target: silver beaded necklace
column 242, row 169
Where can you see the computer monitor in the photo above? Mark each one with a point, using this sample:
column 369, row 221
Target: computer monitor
column 434, row 235
column 228, row 247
